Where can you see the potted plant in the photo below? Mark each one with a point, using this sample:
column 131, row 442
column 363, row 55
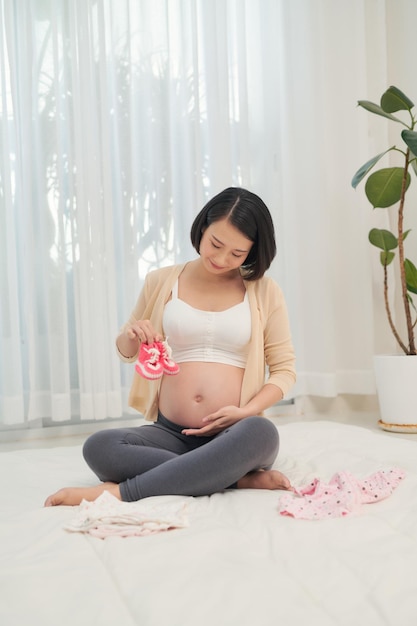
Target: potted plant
column 385, row 188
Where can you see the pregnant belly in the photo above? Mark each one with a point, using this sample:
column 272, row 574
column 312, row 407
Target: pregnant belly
column 198, row 390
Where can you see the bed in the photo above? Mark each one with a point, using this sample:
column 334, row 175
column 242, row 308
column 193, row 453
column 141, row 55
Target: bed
column 238, row 561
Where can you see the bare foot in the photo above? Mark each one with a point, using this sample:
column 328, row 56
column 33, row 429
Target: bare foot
column 264, row 479
column 71, row 496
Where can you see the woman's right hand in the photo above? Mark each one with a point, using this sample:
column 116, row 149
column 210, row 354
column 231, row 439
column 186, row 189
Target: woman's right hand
column 129, row 340
column 143, row 331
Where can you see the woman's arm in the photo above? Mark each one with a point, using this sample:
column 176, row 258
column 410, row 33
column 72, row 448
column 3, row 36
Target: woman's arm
column 149, row 306
column 278, row 347
column 127, row 344
column 268, row 396
column 138, row 328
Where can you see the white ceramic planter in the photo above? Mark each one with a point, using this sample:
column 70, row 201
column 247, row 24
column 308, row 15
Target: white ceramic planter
column 396, row 383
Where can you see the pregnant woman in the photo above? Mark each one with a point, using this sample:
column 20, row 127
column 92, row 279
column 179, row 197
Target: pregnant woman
column 228, row 332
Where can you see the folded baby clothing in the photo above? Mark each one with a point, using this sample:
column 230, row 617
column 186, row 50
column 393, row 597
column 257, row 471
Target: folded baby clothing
column 343, row 495
column 108, row 516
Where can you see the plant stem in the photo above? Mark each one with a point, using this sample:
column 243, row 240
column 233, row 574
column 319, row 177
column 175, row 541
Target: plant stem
column 389, row 316
column 410, row 333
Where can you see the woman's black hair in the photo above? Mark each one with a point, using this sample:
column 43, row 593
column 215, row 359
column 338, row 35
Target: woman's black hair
column 250, row 215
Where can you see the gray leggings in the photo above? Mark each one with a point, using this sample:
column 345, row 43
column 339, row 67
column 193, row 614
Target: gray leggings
column 157, row 459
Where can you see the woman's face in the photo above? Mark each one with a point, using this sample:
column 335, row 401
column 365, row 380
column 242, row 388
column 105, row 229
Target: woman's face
column 223, row 248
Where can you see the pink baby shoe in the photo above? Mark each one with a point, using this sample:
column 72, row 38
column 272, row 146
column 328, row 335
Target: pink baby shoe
column 149, row 364
column 169, row 366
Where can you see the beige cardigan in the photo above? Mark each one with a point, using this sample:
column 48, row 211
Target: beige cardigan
column 270, row 343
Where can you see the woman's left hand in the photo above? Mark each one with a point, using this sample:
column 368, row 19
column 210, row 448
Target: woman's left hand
column 218, row 421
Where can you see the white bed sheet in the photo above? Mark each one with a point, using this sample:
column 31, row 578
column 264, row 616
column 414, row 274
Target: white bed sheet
column 239, row 562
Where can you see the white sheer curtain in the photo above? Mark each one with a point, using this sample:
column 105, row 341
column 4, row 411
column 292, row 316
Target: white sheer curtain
column 119, row 118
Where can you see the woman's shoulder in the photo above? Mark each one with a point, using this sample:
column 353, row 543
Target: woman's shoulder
column 164, row 273
column 264, row 286
column 267, row 294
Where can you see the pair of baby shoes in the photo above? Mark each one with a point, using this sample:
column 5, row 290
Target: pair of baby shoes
column 155, row 359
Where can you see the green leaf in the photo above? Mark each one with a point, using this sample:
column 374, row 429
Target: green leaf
column 383, row 239
column 410, row 276
column 362, row 171
column 375, row 108
column 383, row 188
column 395, row 100
column 386, row 257
column 410, row 138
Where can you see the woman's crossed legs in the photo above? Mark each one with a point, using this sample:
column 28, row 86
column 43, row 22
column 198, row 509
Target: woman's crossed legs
column 158, row 459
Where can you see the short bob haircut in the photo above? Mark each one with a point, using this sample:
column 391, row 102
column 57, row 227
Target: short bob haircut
column 250, row 215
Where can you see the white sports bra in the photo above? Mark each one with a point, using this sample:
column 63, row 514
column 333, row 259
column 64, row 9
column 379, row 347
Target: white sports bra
column 208, row 336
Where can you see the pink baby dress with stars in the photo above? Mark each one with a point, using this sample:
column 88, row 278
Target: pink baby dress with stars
column 343, row 495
